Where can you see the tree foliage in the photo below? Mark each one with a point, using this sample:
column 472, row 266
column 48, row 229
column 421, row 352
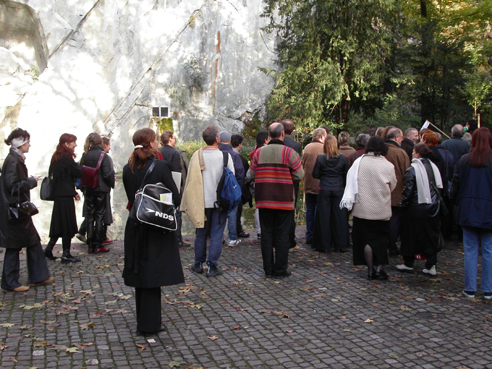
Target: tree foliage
column 331, row 53
column 379, row 61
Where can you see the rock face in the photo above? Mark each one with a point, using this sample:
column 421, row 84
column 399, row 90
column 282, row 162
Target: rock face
column 94, row 65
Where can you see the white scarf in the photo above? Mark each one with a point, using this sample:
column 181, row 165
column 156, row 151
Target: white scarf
column 351, row 188
column 422, row 180
column 18, row 142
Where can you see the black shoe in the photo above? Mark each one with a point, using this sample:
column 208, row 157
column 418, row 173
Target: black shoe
column 381, row 273
column 183, row 244
column 197, row 268
column 283, row 275
column 65, row 259
column 373, row 275
column 145, row 334
column 342, row 250
column 243, row 235
column 214, row 271
column 268, row 276
column 48, row 253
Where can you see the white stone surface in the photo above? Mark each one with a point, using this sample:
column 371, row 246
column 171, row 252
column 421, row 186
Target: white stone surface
column 110, row 60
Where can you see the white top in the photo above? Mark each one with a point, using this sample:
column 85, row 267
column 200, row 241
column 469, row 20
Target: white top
column 213, row 159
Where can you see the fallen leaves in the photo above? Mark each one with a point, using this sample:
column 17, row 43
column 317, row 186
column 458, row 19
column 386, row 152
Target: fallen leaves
column 176, row 364
column 213, row 338
column 141, row 347
column 369, row 321
column 6, row 325
column 86, row 326
column 29, row 307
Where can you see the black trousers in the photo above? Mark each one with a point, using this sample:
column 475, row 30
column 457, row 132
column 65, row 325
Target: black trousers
column 148, row 306
column 275, row 225
column 394, row 225
column 331, row 222
column 179, row 223
column 37, row 268
column 95, row 202
column 239, row 212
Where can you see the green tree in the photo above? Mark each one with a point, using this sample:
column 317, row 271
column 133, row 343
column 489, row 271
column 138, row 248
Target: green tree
column 333, row 55
column 477, row 86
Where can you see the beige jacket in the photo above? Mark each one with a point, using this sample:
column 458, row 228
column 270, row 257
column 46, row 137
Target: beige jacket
column 192, row 202
column 311, row 152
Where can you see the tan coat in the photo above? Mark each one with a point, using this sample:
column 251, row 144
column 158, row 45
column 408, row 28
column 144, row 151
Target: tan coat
column 346, row 150
column 311, row 152
column 193, row 202
column 399, row 158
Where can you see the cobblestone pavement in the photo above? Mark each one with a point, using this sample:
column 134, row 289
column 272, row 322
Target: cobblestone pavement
column 326, row 315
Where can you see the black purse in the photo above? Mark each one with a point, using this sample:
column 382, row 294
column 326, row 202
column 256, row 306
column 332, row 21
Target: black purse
column 21, row 209
column 153, row 205
column 46, row 191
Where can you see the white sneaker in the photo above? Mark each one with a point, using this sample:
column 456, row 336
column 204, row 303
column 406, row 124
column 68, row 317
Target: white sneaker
column 234, row 242
column 431, row 271
column 403, row 267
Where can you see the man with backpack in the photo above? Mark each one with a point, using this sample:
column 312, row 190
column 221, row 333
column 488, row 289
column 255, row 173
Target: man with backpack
column 199, row 201
column 275, row 168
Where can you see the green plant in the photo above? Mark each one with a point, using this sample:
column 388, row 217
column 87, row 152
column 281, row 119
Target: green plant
column 195, row 75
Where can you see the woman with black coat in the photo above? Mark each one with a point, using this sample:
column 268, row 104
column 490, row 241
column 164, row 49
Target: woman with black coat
column 420, row 207
column 96, row 198
column 151, row 256
column 64, row 170
column 331, row 222
column 19, row 232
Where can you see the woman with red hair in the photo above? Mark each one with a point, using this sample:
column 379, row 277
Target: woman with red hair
column 472, row 184
column 64, row 170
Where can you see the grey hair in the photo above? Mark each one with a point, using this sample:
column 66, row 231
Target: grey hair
column 362, row 139
column 457, row 130
column 275, row 130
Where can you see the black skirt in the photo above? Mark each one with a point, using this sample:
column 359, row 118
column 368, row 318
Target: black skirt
column 374, row 233
column 63, row 220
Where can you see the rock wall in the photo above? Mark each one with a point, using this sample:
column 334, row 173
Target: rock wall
column 103, row 64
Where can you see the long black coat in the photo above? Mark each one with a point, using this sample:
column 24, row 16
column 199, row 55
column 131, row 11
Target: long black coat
column 16, row 185
column 420, row 223
column 106, row 171
column 151, row 256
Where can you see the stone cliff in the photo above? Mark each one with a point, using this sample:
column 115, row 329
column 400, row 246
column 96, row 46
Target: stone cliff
column 79, row 66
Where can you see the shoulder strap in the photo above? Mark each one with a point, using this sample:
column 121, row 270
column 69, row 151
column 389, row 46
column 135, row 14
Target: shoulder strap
column 226, row 158
column 148, row 172
column 100, row 159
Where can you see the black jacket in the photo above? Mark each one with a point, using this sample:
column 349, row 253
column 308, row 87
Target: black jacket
column 151, row 256
column 106, row 171
column 172, row 157
column 420, row 231
column 408, row 145
column 16, row 186
column 65, row 171
column 332, row 173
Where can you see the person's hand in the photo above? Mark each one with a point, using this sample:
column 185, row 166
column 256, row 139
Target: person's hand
column 37, row 178
column 77, row 197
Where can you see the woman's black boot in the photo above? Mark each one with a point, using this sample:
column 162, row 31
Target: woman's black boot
column 48, row 251
column 67, row 257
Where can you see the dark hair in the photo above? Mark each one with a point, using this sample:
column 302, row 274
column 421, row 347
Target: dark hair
column 473, row 125
column 166, row 136
column 142, row 137
column 377, row 146
column 326, row 128
column 62, row 149
column 481, row 148
column 16, row 133
column 275, row 130
column 260, row 138
column 422, row 149
column 236, row 140
column 288, row 126
column 210, row 134
column 105, row 140
column 430, row 138
column 93, row 140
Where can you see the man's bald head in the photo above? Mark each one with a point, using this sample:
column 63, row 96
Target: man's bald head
column 275, row 131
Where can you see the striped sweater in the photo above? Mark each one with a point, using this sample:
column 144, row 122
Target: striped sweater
column 275, row 168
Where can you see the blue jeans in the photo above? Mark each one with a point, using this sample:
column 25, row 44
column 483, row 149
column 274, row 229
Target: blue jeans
column 232, row 224
column 472, row 238
column 214, row 225
column 311, row 200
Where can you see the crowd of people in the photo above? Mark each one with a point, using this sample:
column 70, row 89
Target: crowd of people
column 390, row 196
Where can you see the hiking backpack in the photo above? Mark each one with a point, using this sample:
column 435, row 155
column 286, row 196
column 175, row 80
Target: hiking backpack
column 228, row 190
